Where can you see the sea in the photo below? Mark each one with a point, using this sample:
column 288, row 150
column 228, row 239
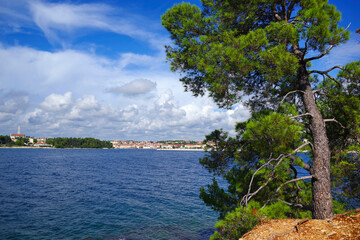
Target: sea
column 111, row 194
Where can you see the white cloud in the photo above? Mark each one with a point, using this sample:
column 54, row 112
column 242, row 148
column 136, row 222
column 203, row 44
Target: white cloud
column 127, row 59
column 12, row 105
column 134, row 88
column 163, row 119
column 52, row 18
column 78, row 105
column 59, row 21
column 42, row 72
column 87, row 102
column 57, row 102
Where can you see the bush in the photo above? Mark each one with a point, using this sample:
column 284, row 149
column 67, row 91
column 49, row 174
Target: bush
column 244, row 219
column 237, row 223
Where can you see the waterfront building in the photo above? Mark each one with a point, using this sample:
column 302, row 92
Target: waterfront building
column 16, row 136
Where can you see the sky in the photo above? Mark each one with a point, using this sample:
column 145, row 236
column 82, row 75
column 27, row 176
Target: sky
column 97, row 68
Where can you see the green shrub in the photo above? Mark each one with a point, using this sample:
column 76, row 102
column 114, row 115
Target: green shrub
column 237, row 223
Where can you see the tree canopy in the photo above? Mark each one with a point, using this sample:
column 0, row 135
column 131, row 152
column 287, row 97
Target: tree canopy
column 260, row 52
column 79, row 143
column 5, row 139
column 238, row 48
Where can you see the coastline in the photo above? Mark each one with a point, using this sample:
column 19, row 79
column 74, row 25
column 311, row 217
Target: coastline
column 20, row 147
column 25, row 147
column 180, row 149
column 158, row 149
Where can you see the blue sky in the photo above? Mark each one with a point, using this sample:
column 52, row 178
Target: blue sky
column 97, row 68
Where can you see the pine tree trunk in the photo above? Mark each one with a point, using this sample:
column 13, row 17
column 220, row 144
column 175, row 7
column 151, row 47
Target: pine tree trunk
column 320, row 169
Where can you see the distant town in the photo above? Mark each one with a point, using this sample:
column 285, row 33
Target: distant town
column 162, row 145
column 20, row 140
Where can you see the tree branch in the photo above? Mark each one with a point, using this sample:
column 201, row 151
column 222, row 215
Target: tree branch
column 283, row 8
column 249, row 195
column 329, row 70
column 334, row 120
column 303, row 145
column 327, row 73
column 302, row 115
column 305, row 166
column 306, row 45
column 318, row 91
column 291, row 92
column 298, row 205
column 324, row 73
column 333, row 79
column 290, row 9
column 276, row 15
column 327, row 51
column 297, row 185
column 298, row 52
column 319, row 56
column 246, row 198
column 290, row 181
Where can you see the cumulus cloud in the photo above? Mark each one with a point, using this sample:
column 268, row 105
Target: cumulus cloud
column 57, row 102
column 77, row 80
column 135, row 88
column 84, row 73
column 164, row 118
column 87, row 102
column 78, row 106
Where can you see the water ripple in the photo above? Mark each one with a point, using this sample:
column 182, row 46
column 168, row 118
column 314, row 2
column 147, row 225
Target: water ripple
column 102, row 194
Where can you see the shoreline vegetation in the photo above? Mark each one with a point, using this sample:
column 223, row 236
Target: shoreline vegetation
column 159, row 149
column 15, row 141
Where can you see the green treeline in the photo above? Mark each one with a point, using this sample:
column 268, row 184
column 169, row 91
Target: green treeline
column 78, row 143
column 5, row 140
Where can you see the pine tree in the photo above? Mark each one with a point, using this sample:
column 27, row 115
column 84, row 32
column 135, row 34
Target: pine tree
column 260, row 52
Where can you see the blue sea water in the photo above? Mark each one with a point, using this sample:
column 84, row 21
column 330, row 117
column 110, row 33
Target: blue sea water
column 102, row 194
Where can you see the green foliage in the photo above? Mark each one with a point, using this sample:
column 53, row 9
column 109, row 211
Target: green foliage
column 341, row 101
column 233, row 48
column 216, row 197
column 78, row 143
column 277, row 210
column 351, row 76
column 274, row 133
column 266, row 135
column 20, row 142
column 258, row 52
column 6, row 140
column 345, row 172
column 243, row 219
column 237, row 223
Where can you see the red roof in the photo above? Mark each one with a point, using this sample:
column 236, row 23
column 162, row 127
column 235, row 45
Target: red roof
column 17, row 135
